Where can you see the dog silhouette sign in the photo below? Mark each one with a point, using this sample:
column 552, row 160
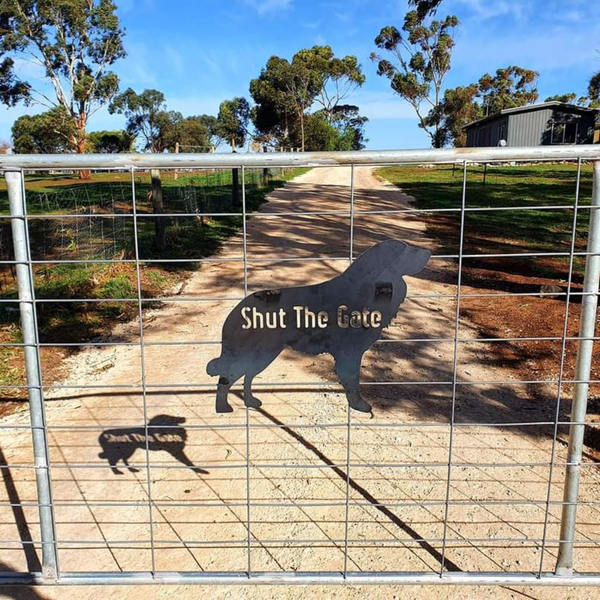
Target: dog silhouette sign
column 342, row 317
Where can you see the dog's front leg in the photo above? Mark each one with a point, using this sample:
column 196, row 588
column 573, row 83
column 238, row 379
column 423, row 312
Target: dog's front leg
column 249, row 399
column 348, row 370
column 131, row 469
column 222, row 392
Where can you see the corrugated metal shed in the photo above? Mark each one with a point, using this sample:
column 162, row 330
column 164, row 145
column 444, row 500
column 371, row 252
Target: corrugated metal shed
column 535, row 125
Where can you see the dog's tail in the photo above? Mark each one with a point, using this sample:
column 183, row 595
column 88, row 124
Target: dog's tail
column 214, row 366
column 102, row 455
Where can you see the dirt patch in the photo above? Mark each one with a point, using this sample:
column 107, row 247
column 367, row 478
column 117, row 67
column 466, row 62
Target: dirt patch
column 527, row 316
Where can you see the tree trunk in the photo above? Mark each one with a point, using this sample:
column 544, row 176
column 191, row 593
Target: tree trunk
column 160, row 223
column 302, row 129
column 81, row 143
column 265, row 172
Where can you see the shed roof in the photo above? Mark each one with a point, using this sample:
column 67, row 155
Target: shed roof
column 532, row 107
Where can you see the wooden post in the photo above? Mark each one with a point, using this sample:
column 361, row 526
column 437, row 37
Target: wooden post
column 176, row 152
column 265, row 174
column 160, row 223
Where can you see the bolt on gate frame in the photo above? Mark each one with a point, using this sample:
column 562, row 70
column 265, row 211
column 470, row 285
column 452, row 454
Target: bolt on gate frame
column 14, row 167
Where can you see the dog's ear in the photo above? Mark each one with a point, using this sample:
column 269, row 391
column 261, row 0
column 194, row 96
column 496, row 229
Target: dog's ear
column 416, row 259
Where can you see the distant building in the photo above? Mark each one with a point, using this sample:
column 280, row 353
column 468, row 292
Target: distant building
column 535, row 125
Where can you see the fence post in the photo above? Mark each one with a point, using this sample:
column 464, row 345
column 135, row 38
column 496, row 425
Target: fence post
column 158, row 207
column 587, row 326
column 14, row 185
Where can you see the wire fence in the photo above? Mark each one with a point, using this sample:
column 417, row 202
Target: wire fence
column 471, row 468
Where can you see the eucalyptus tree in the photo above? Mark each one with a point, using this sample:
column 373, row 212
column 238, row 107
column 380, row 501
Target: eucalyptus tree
column 49, row 132
column 73, row 44
column 110, row 142
column 594, row 91
column 143, row 114
column 509, row 87
column 568, row 98
column 232, row 126
column 232, row 121
column 286, row 90
column 425, row 8
column 420, row 57
column 458, row 107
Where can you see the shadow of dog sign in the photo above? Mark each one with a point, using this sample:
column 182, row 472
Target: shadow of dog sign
column 343, row 317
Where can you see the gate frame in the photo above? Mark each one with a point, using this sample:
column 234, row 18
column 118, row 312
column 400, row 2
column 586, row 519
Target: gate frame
column 14, row 166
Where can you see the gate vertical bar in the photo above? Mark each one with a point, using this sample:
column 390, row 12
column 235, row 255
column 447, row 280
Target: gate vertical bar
column 138, row 274
column 349, row 421
column 14, row 185
column 561, row 369
column 463, row 202
column 245, row 249
column 587, row 326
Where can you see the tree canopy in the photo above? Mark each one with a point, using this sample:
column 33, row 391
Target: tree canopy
column 74, row 43
column 420, row 60
column 46, row 133
column 566, row 98
column 110, row 142
column 232, row 121
column 157, row 128
column 510, row 87
column 425, row 8
column 141, row 112
column 594, row 91
column 458, row 107
column 285, row 91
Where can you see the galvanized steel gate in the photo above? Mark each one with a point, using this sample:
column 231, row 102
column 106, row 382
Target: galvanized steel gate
column 444, row 570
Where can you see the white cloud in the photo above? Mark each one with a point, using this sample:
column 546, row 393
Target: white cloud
column 197, row 105
column 545, row 50
column 135, row 70
column 266, row 6
column 175, row 59
column 313, row 24
column 484, row 9
column 382, row 105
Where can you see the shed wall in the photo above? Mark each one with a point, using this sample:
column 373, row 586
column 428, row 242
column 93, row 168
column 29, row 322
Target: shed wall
column 528, row 128
column 488, row 133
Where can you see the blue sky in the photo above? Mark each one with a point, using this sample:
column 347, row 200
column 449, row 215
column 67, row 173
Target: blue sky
column 199, row 52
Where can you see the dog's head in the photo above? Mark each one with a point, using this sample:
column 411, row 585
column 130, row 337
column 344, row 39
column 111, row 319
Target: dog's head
column 166, row 421
column 397, row 258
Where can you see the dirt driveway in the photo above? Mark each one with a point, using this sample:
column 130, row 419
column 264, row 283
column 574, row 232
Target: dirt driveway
column 298, row 438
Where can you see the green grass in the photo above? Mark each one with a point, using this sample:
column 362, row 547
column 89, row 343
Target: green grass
column 508, row 231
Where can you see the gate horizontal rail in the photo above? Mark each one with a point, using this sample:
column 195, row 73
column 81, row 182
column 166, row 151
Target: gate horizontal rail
column 15, row 166
column 297, row 159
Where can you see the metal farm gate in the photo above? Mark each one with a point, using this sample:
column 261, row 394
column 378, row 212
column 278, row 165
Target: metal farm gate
column 427, row 489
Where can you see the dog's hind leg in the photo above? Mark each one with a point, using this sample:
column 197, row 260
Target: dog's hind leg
column 347, row 367
column 113, row 466
column 222, row 405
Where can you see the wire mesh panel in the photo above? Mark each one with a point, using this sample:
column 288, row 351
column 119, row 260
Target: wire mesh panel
column 468, row 467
